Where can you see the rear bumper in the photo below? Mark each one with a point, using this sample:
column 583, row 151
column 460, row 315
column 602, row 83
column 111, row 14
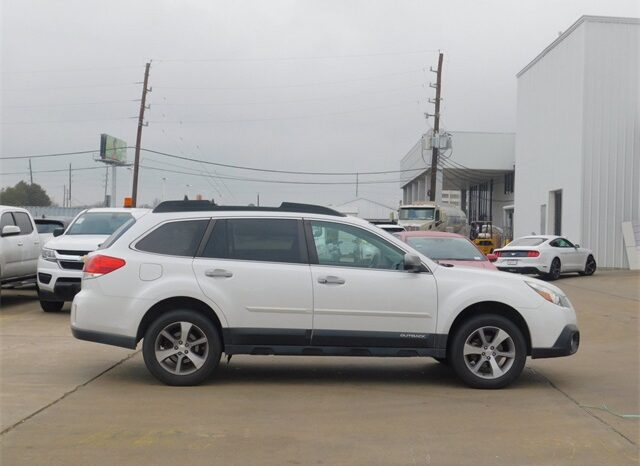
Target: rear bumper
column 524, row 270
column 567, row 344
column 106, row 338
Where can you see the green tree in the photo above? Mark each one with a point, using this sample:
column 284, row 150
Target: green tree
column 24, row 194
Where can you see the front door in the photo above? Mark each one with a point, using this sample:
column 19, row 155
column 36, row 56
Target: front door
column 362, row 295
column 256, row 271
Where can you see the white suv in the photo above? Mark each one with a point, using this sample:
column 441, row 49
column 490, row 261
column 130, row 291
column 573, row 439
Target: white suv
column 194, row 280
column 60, row 264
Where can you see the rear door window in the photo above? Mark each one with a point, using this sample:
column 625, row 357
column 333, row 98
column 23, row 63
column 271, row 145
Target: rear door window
column 24, row 222
column 180, row 238
column 267, row 240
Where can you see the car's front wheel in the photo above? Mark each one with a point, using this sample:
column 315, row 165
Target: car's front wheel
column 488, row 351
column 181, row 347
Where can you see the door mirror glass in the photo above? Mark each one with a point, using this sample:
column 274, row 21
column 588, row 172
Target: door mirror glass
column 492, row 257
column 58, row 231
column 412, row 263
column 10, row 230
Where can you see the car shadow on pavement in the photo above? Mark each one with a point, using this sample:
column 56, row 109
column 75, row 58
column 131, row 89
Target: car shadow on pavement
column 337, row 372
column 11, row 297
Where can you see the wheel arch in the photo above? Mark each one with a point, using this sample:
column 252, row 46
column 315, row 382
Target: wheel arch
column 490, row 307
column 179, row 302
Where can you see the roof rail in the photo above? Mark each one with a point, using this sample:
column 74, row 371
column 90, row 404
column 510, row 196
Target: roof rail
column 202, row 205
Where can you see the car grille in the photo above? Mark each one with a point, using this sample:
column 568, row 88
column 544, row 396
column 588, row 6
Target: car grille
column 67, row 252
column 74, row 265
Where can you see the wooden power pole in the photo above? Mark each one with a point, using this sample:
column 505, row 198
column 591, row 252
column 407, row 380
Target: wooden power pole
column 436, row 130
column 136, row 163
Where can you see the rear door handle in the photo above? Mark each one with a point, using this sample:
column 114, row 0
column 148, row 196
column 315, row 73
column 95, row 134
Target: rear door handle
column 20, row 243
column 218, row 273
column 331, row 280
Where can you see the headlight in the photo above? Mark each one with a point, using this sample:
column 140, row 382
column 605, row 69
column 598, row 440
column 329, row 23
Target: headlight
column 549, row 294
column 48, row 254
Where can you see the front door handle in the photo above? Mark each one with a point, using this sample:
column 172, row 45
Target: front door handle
column 218, row 273
column 331, row 280
column 20, row 243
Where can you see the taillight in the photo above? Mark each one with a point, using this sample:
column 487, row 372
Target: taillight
column 533, row 253
column 101, row 265
column 497, row 253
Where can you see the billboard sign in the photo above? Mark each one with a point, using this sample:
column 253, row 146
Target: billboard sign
column 113, row 150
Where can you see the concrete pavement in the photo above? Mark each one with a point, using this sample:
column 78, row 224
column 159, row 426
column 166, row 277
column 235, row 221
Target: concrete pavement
column 70, row 402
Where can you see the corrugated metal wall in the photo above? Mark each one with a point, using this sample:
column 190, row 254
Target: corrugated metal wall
column 611, row 137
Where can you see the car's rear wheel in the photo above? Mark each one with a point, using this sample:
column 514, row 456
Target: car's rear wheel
column 554, row 269
column 51, row 306
column 182, row 347
column 488, row 351
column 589, row 267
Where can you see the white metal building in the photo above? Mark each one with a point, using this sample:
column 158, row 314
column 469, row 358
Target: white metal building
column 479, row 166
column 578, row 137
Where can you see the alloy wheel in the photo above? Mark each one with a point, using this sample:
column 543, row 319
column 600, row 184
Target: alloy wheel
column 181, row 348
column 489, row 352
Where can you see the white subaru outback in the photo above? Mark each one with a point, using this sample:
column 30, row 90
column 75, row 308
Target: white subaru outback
column 194, row 280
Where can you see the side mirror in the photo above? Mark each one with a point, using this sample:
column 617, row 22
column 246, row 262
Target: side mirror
column 412, row 263
column 492, row 257
column 10, row 230
column 58, row 231
column 576, row 246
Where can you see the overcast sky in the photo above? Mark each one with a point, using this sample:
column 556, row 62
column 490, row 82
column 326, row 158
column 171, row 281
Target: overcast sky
column 291, row 85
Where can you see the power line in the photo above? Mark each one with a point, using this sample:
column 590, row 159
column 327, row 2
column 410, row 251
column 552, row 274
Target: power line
column 71, row 87
column 238, row 167
column 70, row 104
column 295, row 117
column 289, row 172
column 282, row 86
column 65, row 170
column 317, row 57
column 263, row 180
column 56, row 70
column 62, row 121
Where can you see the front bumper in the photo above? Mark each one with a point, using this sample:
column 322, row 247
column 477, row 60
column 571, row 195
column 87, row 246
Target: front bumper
column 567, row 344
column 56, row 283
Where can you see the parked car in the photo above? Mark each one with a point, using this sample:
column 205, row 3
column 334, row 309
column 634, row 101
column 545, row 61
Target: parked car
column 61, row 262
column 391, row 227
column 193, row 280
column 447, row 248
column 19, row 245
column 545, row 255
column 49, row 227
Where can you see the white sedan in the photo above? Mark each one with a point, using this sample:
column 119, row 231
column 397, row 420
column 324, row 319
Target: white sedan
column 545, row 255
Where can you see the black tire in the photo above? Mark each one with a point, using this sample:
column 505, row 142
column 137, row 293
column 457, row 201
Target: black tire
column 512, row 366
column 203, row 327
column 51, row 306
column 589, row 267
column 554, row 270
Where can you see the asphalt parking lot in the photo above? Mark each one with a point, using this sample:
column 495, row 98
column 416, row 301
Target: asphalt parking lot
column 67, row 402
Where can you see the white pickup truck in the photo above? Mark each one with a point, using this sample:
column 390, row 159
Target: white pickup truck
column 19, row 245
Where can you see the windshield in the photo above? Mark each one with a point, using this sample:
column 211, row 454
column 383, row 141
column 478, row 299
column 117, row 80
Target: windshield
column 98, row 223
column 527, row 242
column 417, row 213
column 446, row 248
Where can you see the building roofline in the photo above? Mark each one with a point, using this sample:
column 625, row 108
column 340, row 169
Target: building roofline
column 573, row 27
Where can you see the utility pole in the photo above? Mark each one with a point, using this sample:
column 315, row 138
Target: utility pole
column 106, row 184
column 69, row 190
column 436, row 129
column 136, row 163
column 357, row 182
column 30, row 172
column 64, row 196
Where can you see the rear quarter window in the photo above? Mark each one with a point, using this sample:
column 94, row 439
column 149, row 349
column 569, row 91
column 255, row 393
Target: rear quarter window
column 180, row 238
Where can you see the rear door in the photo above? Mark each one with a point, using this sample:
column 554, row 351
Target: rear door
column 362, row 295
column 256, row 270
column 11, row 249
column 30, row 243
